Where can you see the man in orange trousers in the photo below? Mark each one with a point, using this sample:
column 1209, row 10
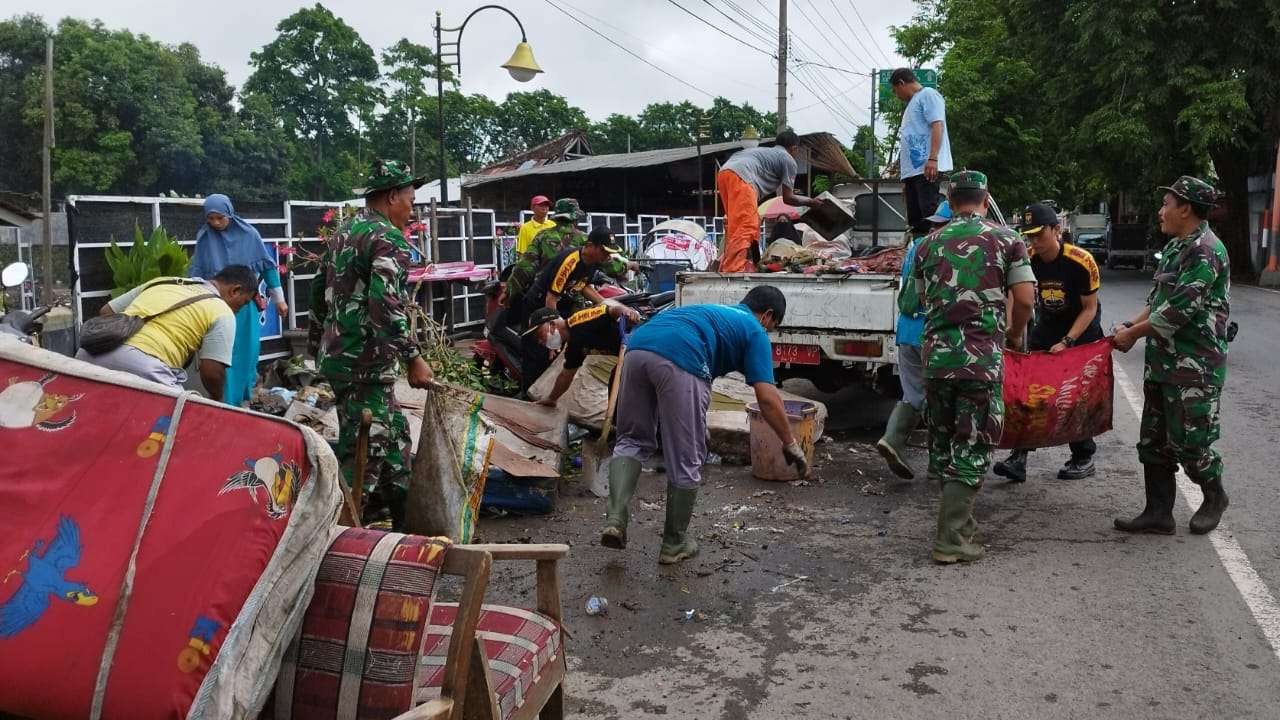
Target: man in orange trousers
column 748, row 176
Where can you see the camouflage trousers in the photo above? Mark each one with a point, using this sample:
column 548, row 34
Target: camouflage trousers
column 1179, row 427
column 965, row 419
column 389, row 459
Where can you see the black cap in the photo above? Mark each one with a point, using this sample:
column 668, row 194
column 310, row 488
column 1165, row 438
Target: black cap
column 602, row 236
column 1037, row 217
column 540, row 316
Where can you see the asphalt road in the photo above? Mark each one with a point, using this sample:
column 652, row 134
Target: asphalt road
column 1066, row 618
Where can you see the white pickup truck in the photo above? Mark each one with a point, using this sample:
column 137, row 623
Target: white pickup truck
column 839, row 329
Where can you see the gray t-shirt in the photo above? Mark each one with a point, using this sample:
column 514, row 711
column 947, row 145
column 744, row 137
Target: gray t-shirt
column 765, row 168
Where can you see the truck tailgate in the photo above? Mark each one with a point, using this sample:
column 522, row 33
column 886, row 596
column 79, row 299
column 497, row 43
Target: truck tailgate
column 843, row 303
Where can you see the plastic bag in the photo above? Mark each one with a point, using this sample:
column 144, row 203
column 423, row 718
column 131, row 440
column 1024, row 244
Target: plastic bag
column 1052, row 400
column 451, row 466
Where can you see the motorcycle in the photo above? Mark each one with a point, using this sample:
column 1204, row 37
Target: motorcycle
column 23, row 325
column 500, row 351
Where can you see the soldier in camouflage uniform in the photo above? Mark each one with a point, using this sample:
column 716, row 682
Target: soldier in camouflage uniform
column 545, row 246
column 360, row 334
column 1185, row 323
column 964, row 271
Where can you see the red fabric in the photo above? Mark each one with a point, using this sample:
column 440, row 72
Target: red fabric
column 518, row 645
column 88, row 455
column 1051, row 400
column 396, row 630
column 742, row 221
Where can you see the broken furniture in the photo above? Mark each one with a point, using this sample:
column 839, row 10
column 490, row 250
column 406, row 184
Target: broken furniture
column 375, row 643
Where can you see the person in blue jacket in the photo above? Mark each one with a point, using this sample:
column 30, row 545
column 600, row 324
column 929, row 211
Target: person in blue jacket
column 226, row 239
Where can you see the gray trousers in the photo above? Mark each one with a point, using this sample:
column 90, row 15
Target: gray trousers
column 655, row 392
column 130, row 359
column 911, row 373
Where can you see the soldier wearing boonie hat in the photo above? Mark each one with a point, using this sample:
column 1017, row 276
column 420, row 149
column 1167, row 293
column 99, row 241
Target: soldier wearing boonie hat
column 359, row 332
column 1185, row 322
column 964, row 272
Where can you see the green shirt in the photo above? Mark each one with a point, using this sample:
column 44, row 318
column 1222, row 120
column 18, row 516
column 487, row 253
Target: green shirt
column 1190, row 304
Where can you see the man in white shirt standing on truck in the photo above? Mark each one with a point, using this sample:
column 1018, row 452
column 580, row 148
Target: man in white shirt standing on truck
column 924, row 148
column 745, row 178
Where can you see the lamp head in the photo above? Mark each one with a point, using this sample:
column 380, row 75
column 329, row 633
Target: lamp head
column 522, row 66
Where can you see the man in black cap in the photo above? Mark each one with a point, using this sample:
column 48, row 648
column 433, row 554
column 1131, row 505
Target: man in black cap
column 1067, row 314
column 565, row 275
column 593, row 331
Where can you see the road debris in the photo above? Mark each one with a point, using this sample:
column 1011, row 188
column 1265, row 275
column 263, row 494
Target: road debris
column 800, row 578
column 597, row 605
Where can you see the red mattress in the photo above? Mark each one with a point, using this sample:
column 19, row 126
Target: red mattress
column 81, row 503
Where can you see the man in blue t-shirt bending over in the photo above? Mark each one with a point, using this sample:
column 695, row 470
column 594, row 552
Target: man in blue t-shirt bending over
column 666, row 381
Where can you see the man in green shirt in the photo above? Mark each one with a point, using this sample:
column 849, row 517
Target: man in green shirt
column 1185, row 323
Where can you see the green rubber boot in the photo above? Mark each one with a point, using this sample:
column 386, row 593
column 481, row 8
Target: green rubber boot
column 677, row 545
column 893, row 445
column 624, row 473
column 956, row 526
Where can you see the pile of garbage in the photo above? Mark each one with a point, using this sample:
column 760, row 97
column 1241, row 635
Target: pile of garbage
column 829, row 257
column 290, row 390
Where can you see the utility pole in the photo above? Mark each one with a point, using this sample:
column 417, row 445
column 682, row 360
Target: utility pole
column 782, row 65
column 46, row 274
column 871, row 147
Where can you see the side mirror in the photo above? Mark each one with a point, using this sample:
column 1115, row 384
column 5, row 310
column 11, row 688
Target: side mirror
column 14, row 275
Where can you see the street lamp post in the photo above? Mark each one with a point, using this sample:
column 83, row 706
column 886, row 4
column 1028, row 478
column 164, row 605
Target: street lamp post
column 522, row 68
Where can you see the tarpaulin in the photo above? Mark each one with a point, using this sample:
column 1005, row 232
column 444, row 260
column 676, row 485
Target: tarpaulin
column 158, row 549
column 1051, row 400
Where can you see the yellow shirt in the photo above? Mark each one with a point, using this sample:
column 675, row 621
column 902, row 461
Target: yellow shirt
column 530, row 229
column 207, row 325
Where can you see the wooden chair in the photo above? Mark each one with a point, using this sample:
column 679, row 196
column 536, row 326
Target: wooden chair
column 483, row 675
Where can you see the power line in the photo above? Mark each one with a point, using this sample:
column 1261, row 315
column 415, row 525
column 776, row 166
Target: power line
column 826, row 36
column 749, row 31
column 718, row 29
column 853, row 33
column 854, row 5
column 840, row 94
column 611, row 41
column 839, row 118
column 804, row 76
column 644, row 43
column 771, row 31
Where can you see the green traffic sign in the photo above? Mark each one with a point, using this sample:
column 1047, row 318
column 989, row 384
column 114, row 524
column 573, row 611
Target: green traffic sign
column 927, row 78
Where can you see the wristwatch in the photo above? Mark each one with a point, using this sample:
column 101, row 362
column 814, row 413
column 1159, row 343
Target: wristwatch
column 1068, row 341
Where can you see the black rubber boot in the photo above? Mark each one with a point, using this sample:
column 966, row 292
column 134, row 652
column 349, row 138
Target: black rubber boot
column 1157, row 516
column 624, row 473
column 1210, row 512
column 1013, row 467
column 1077, row 469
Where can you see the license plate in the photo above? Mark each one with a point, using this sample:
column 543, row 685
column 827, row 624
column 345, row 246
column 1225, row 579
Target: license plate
column 788, row 354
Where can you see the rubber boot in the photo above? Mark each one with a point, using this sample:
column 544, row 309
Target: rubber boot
column 893, row 445
column 956, row 526
column 624, row 473
column 1013, row 467
column 1157, row 516
column 1210, row 512
column 677, row 545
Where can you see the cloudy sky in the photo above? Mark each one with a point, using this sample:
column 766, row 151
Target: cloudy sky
column 703, row 59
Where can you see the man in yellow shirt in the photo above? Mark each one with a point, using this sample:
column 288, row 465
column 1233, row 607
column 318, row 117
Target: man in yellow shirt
column 166, row 343
column 541, row 205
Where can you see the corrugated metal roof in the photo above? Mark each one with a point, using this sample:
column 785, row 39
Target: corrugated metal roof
column 649, row 158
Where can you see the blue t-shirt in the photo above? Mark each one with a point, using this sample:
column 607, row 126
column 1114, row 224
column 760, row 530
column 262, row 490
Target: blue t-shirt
column 709, row 341
column 910, row 327
column 926, row 107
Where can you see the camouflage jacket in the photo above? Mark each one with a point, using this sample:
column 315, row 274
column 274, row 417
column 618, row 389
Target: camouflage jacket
column 963, row 272
column 1190, row 304
column 358, row 327
column 545, row 246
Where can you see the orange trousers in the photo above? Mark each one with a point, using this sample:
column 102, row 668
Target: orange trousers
column 742, row 220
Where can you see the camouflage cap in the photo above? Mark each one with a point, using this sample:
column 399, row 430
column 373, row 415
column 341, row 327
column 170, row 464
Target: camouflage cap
column 1193, row 190
column 968, row 180
column 388, row 175
column 567, row 209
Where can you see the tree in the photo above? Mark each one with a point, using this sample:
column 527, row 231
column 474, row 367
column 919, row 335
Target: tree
column 668, row 125
column 410, row 73
column 21, row 55
column 527, row 119
column 320, row 76
column 616, row 134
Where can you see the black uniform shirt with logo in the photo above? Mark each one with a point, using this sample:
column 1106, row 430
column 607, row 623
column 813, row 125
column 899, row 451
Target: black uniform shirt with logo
column 591, row 332
column 566, row 273
column 1061, row 286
